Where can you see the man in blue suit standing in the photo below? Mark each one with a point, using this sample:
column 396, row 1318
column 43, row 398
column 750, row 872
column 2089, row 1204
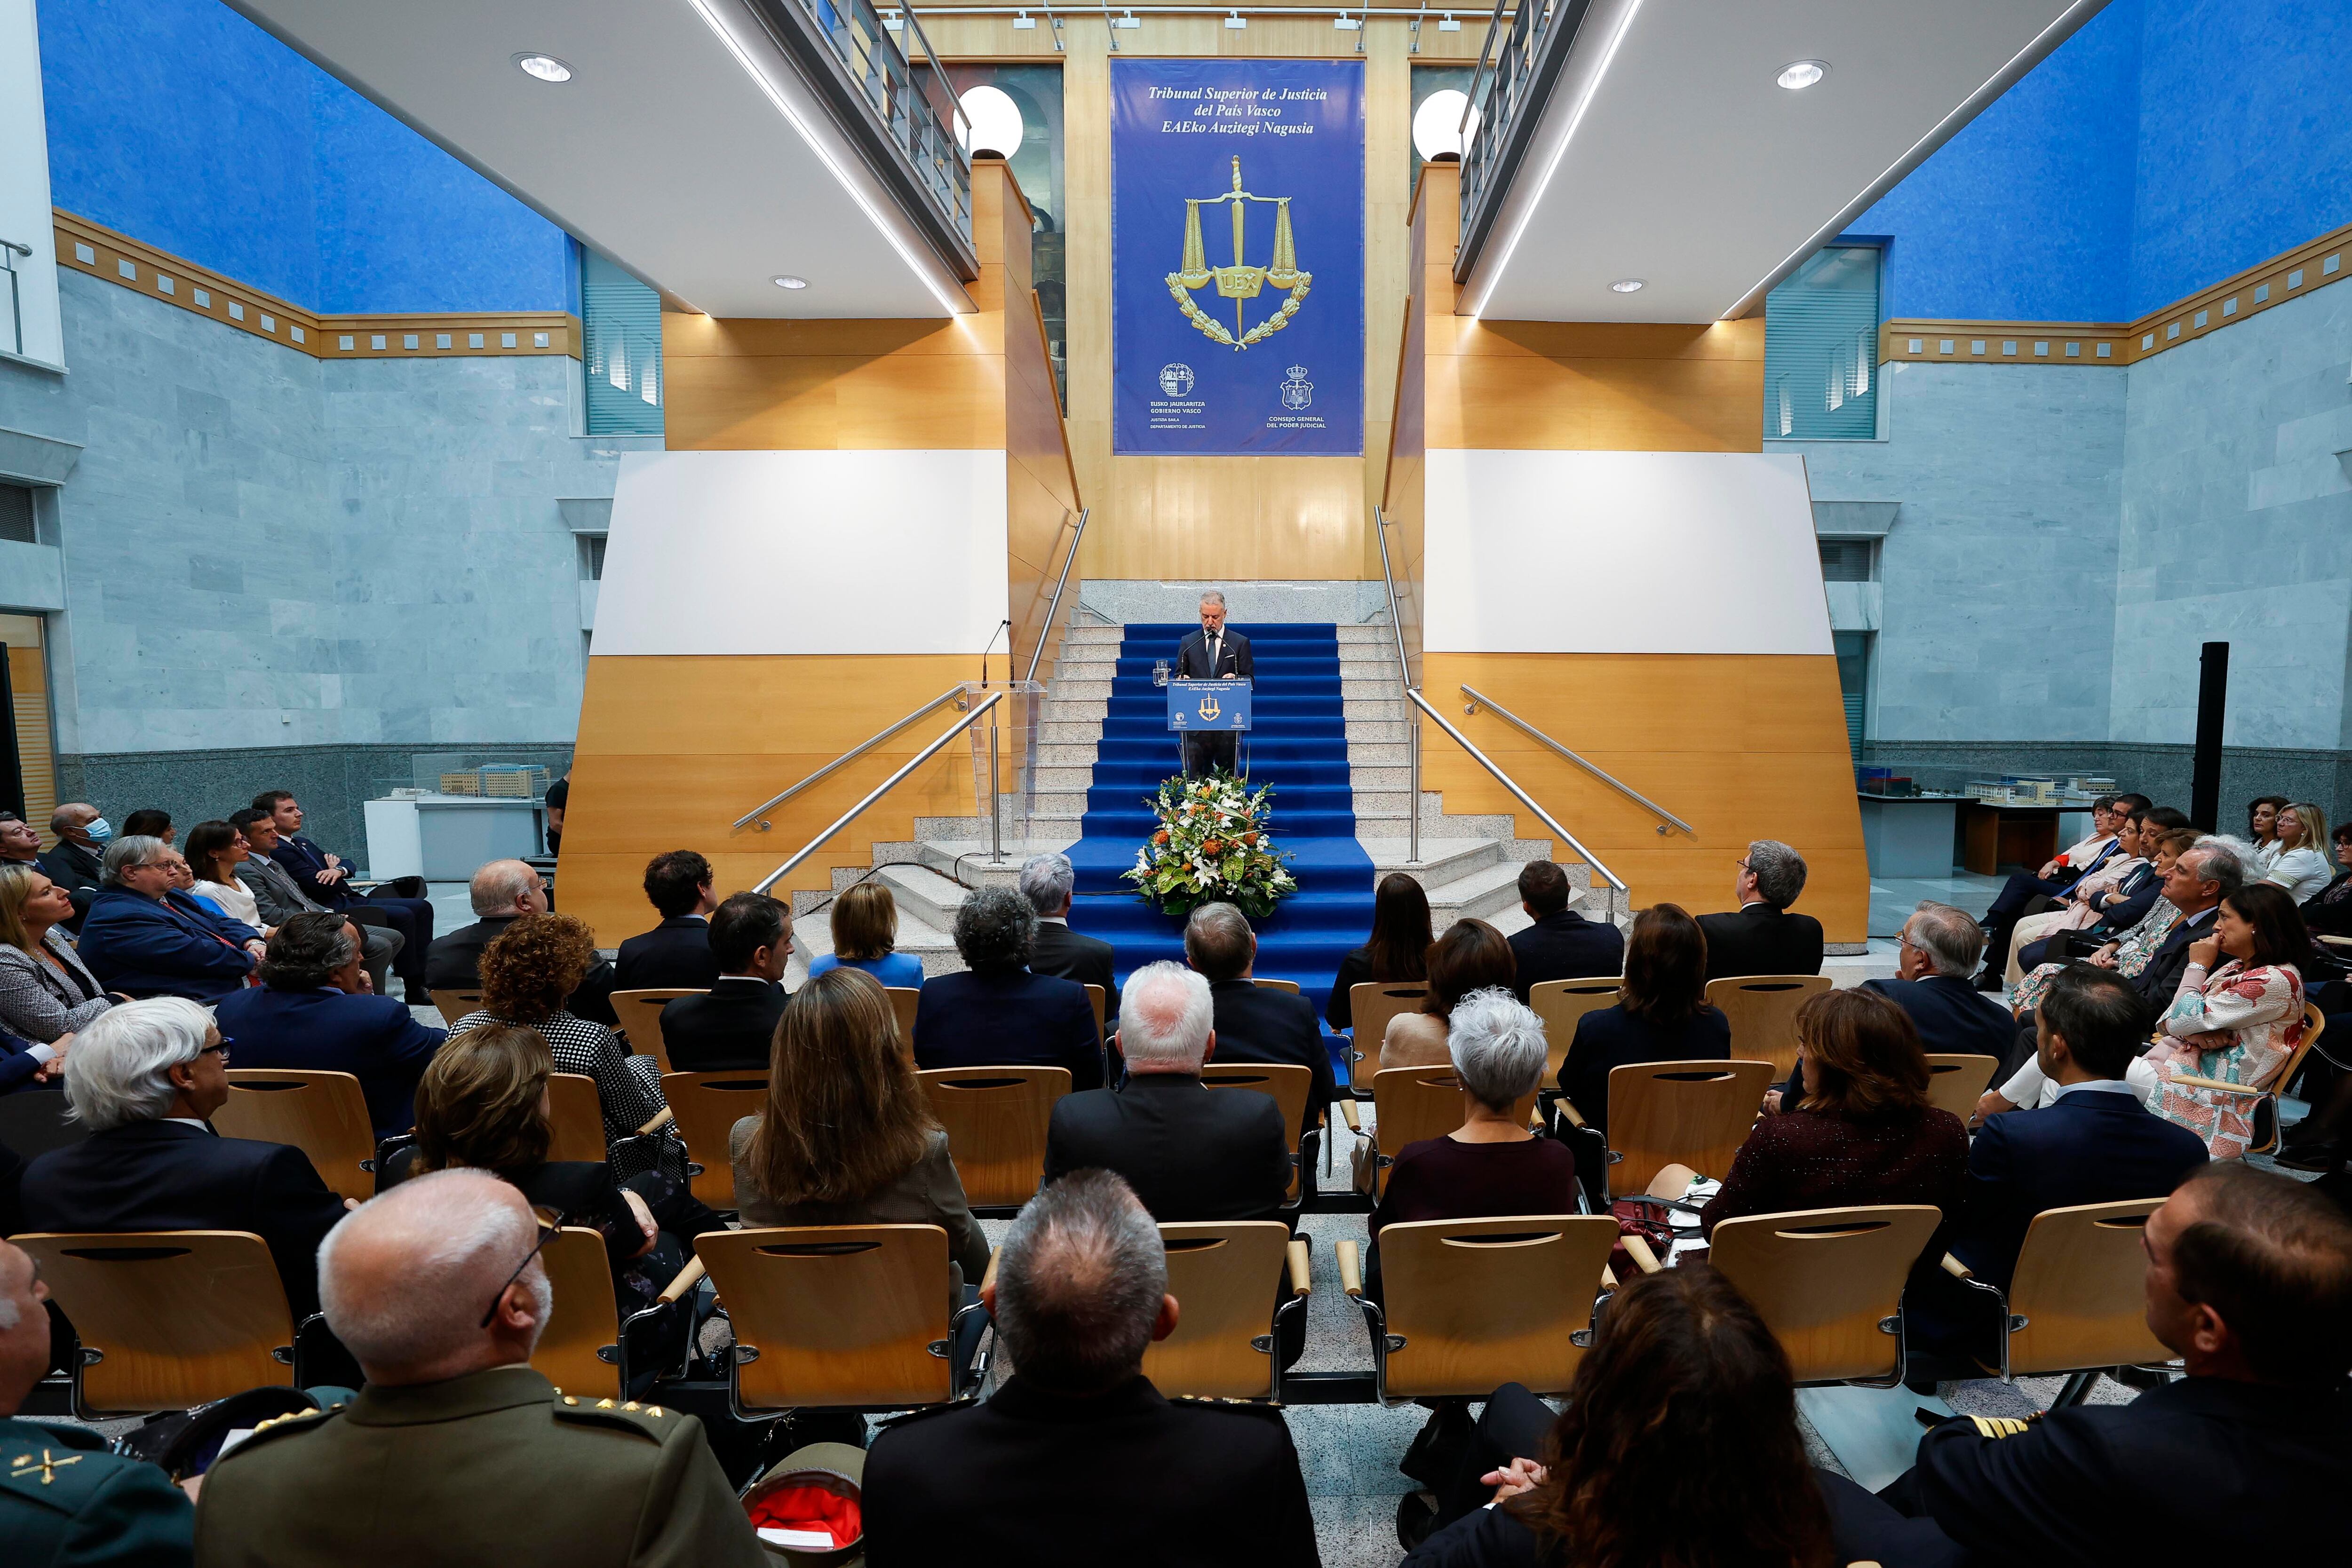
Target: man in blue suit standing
column 1215, row 652
column 996, row 1013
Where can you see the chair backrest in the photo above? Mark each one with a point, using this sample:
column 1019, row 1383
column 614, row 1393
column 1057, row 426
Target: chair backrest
column 1287, row 1081
column 995, row 1118
column 33, row 1122
column 2313, row 1022
column 1099, row 999
column 1370, row 1005
column 181, row 1317
column 1290, row 986
column 585, row 1320
column 1560, row 1003
column 1410, row 1104
column 1955, row 1082
column 1763, row 1013
column 841, row 1316
column 1824, row 1278
column 1695, row 1113
column 1224, row 1276
column 640, row 1014
column 456, row 1004
column 1482, row 1303
column 706, row 1107
column 903, row 999
column 2080, row 1285
column 324, row 1114
column 576, row 1118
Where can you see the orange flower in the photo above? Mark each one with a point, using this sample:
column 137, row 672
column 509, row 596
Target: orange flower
column 1214, row 847
column 1249, row 838
column 1160, row 837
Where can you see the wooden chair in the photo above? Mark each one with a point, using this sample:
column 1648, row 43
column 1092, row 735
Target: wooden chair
column 168, row 1319
column 1763, row 1013
column 903, row 999
column 995, row 1118
column 1290, row 986
column 2076, row 1302
column 1100, row 1000
column 2264, row 1112
column 1410, row 1104
column 640, row 1014
column 1471, row 1304
column 1288, row 1084
column 1956, row 1082
column 575, row 1119
column 1560, row 1003
column 836, row 1317
column 585, row 1348
column 707, row 1105
column 1370, row 1005
column 1226, row 1275
column 324, row 1114
column 456, row 1004
column 1829, row 1282
column 1695, row 1113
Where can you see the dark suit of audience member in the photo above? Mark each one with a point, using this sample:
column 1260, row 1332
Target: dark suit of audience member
column 2140, row 890
column 412, row 917
column 2160, row 980
column 1008, row 1018
column 1258, row 1023
column 74, row 867
column 1761, row 940
column 1953, row 1018
column 1566, row 947
column 1189, row 1151
column 1070, row 954
column 170, row 946
column 730, row 1028
column 375, row 1039
column 176, row 1176
column 675, row 955
column 20, row 1059
column 1610, row 1038
column 455, row 964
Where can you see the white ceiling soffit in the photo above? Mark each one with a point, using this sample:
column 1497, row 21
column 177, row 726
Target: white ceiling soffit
column 1668, row 152
column 686, row 147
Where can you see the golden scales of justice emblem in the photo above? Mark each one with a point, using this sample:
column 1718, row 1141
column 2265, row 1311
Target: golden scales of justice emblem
column 1210, row 709
column 1240, row 281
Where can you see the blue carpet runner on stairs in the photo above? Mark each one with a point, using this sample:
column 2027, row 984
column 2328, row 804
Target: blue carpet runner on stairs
column 1298, row 744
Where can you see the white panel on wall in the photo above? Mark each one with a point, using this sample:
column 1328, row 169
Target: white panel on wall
column 25, row 194
column 804, row 553
column 1621, row 552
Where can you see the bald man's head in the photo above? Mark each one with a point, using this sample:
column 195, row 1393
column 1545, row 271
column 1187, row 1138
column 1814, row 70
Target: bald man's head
column 405, row 1278
column 508, row 887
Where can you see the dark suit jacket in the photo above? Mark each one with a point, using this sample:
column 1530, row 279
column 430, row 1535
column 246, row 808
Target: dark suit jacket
column 168, row 1175
column 1255, row 1024
column 1761, row 940
column 675, row 954
column 2141, row 889
column 1566, row 947
column 1008, row 1018
column 454, row 962
column 75, row 869
column 375, row 1039
column 172, row 947
column 1610, row 1038
column 1075, row 956
column 1232, row 656
column 2161, row 977
column 303, row 861
column 18, row 1065
column 731, row 1028
column 1190, row 1152
column 1951, row 1014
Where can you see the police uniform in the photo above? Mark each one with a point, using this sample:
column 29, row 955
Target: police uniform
column 65, row 1500
column 1129, row 1476
column 497, row 1468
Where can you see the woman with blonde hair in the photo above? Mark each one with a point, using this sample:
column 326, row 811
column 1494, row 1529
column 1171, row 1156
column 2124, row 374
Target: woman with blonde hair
column 2300, row 863
column 865, row 935
column 45, row 990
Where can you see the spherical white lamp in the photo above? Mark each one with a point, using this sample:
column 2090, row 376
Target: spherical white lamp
column 1437, row 125
column 992, row 121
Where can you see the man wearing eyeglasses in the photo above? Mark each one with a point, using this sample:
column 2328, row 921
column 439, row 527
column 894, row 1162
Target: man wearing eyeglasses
column 502, row 893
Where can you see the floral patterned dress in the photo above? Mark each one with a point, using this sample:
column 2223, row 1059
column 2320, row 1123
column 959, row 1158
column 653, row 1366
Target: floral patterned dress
column 2239, row 1027
column 2139, row 944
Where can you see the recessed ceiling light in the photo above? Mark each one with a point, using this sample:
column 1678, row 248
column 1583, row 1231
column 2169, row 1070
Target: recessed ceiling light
column 546, row 67
column 786, row 281
column 1627, row 286
column 1799, row 75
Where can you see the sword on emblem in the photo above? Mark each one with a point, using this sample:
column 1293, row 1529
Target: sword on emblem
column 1241, row 281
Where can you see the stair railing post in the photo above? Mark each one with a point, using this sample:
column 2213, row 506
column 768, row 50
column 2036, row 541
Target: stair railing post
column 995, row 801
column 1412, row 792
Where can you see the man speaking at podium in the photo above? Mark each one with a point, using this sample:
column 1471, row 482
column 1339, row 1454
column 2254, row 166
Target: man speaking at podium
column 1212, row 654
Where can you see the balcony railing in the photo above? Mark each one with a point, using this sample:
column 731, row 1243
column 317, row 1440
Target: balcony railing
column 1525, row 45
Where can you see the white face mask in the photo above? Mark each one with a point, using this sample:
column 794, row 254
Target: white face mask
column 100, row 830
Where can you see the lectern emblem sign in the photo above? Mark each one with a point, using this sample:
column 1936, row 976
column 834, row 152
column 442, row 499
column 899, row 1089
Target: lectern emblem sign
column 1241, row 282
column 1209, row 710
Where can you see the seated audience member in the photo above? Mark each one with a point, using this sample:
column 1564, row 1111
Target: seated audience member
column 153, row 823
column 1764, row 937
column 75, row 861
column 45, row 990
column 2328, row 912
column 2262, row 832
column 2125, row 948
column 1678, row 1445
column 846, row 1137
column 676, row 953
column 454, row 1451
column 1189, row 1151
column 1255, row 1022
column 1562, row 945
column 143, row 1079
column 69, row 1502
column 996, row 1013
column 2250, row 1282
column 559, row 798
column 482, row 1104
column 502, row 893
column 313, row 1012
column 278, row 898
column 732, row 1026
column 2206, row 873
column 327, row 880
column 1661, row 1014
column 2090, row 900
column 864, row 929
column 1471, row 957
column 214, row 850
column 1050, row 885
column 1398, row 953
column 144, row 937
column 30, row 1064
column 526, row 973
column 2237, row 1017
column 2017, row 895
column 1080, row 1293
column 20, row 842
column 2094, row 1142
column 1934, row 983
column 2299, row 866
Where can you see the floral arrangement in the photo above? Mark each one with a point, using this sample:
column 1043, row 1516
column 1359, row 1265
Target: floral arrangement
column 1211, row 847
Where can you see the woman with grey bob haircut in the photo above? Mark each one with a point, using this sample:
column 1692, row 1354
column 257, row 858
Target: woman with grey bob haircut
column 1498, row 1048
column 120, row 1069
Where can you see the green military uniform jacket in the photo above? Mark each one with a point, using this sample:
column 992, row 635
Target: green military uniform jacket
column 65, row 1500
column 496, row 1468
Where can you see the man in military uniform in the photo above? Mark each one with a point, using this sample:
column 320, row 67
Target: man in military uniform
column 64, row 1500
column 456, row 1452
column 1078, row 1459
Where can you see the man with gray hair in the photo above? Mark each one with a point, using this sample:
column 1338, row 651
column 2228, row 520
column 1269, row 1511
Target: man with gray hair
column 1189, row 1151
column 1215, row 652
column 998, row 1014
column 1049, row 883
column 456, row 1451
column 145, row 938
column 503, row 892
column 1934, row 982
column 1078, row 1459
column 2207, row 871
column 1764, row 937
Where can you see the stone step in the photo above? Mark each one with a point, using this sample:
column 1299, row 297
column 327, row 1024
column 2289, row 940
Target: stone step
column 1480, row 894
column 1367, row 707
column 1081, row 689
column 1094, row 636
column 932, row 897
column 1077, row 710
column 1066, row 754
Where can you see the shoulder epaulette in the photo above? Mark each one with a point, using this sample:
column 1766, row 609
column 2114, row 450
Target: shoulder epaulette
column 654, row 1421
column 2003, row 1425
column 277, row 1426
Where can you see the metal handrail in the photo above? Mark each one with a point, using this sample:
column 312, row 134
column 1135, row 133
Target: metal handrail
column 1054, row 605
column 1507, row 782
column 1404, row 679
column 985, row 706
column 1477, row 700
column 846, row 757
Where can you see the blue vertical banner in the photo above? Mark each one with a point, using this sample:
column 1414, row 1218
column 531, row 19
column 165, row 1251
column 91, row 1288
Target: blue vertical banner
column 1237, row 256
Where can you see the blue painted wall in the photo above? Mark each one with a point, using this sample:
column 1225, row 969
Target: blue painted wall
column 181, row 124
